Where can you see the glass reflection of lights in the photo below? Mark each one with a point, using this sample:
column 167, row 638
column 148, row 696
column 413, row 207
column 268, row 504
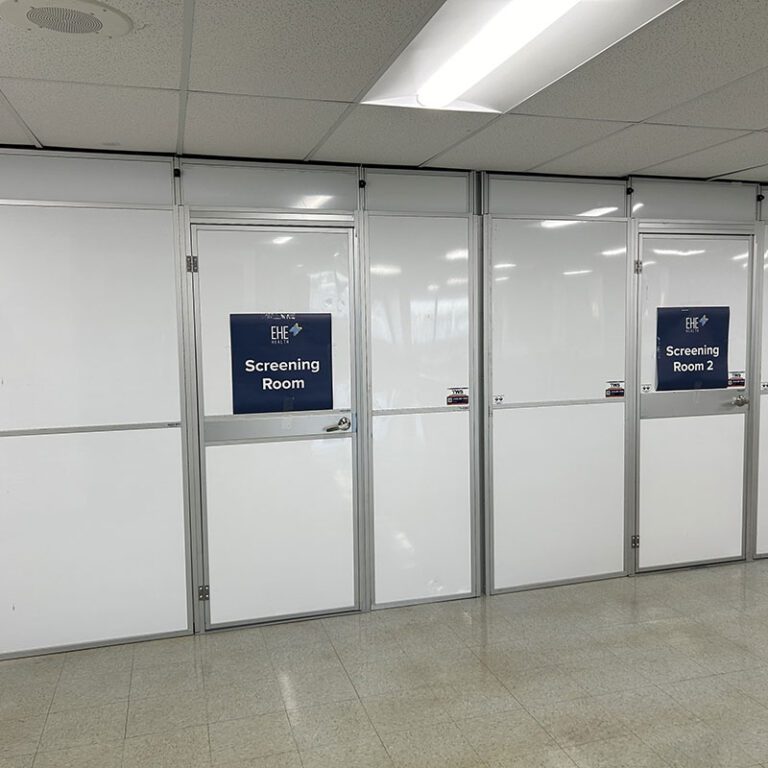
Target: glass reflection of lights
column 676, row 252
column 572, row 272
column 432, row 287
column 614, row 251
column 504, row 266
column 457, row 281
column 385, row 270
column 282, row 240
column 457, row 255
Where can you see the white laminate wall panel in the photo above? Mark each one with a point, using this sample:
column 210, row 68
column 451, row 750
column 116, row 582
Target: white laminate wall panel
column 269, row 270
column 88, row 317
column 667, row 200
column 558, row 493
column 269, row 188
column 558, row 306
column 422, row 502
column 761, row 546
column 93, row 538
column 86, row 180
column 694, row 271
column 419, row 305
column 280, row 528
column 423, row 193
column 691, row 489
column 516, row 197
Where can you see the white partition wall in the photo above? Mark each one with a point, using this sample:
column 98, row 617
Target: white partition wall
column 91, row 462
column 761, row 542
column 555, row 309
column 420, row 256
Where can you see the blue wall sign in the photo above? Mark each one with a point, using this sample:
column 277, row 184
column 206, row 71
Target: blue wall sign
column 281, row 362
column 692, row 348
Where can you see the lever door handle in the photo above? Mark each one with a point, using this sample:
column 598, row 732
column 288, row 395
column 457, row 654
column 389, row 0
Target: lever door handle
column 342, row 425
column 740, row 401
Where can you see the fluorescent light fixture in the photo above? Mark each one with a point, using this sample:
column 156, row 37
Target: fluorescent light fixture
column 614, row 252
column 511, row 29
column 457, row 255
column 558, row 223
column 385, row 270
column 491, row 55
column 675, row 252
column 577, row 272
column 741, row 257
column 504, row 266
column 282, row 240
column 456, row 281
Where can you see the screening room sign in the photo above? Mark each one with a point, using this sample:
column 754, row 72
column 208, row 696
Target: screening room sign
column 692, row 348
column 281, row 362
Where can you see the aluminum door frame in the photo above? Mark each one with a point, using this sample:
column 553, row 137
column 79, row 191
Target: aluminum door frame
column 693, row 230
column 488, row 407
column 281, row 222
column 476, row 389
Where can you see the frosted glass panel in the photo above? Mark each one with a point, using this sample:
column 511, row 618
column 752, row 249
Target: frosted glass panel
column 558, row 493
column 93, row 537
column 694, row 202
column 271, row 188
column 762, row 480
column 421, row 193
column 557, row 198
column 88, row 327
column 419, row 309
column 694, row 272
column 277, row 270
column 691, row 489
column 558, row 295
column 86, row 180
column 422, row 506
column 280, row 528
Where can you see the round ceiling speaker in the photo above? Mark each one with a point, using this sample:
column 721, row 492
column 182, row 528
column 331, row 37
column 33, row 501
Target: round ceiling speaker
column 72, row 17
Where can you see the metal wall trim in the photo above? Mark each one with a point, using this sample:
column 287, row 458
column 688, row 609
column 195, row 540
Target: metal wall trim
column 130, row 639
column 561, row 582
column 556, row 403
column 419, row 411
column 92, row 428
column 690, row 564
column 80, row 204
column 232, row 217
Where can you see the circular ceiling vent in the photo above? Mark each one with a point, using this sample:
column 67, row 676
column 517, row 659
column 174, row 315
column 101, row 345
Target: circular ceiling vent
column 72, row 17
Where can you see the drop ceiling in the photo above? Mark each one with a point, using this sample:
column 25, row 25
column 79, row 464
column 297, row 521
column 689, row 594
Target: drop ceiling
column 685, row 95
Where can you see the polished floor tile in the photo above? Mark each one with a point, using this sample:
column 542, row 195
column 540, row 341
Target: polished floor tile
column 662, row 671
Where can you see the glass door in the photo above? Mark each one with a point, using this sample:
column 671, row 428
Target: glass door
column 694, row 377
column 278, row 424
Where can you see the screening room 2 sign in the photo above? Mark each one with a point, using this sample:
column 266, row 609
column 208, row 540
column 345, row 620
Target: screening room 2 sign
column 692, row 348
column 281, row 362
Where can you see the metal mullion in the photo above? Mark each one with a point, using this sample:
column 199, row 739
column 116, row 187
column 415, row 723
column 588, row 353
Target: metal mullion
column 754, row 388
column 90, row 428
column 487, row 416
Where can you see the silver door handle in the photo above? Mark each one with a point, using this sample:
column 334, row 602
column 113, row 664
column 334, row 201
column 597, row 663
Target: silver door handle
column 740, row 401
column 342, row 425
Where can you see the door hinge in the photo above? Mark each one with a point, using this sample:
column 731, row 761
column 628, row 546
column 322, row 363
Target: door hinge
column 204, row 592
column 191, row 263
column 635, row 542
column 638, row 267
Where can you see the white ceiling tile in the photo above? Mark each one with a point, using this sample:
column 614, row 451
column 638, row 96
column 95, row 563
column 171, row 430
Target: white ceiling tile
column 397, row 136
column 96, row 116
column 635, row 148
column 760, row 173
column 246, row 126
column 10, row 130
column 518, row 142
column 329, row 50
column 697, row 46
column 744, row 152
column 738, row 105
column 149, row 56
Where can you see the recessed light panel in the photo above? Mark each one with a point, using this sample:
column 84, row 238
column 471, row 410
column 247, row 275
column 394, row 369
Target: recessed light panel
column 491, row 55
